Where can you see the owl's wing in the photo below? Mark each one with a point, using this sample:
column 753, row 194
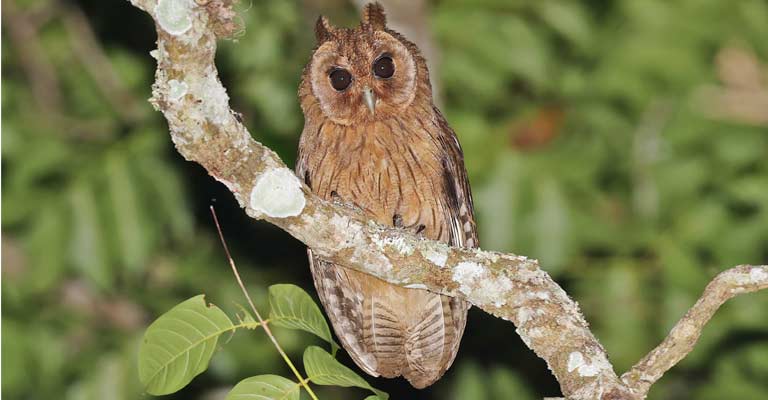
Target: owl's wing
column 301, row 163
column 461, row 220
column 461, row 216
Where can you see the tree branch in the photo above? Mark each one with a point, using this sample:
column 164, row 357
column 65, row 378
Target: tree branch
column 188, row 92
column 685, row 334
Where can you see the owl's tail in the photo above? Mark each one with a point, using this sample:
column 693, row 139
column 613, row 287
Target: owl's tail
column 389, row 330
column 433, row 336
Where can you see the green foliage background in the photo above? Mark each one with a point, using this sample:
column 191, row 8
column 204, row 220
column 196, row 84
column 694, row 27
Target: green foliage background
column 583, row 139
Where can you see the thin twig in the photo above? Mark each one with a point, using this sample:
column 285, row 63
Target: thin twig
column 263, row 323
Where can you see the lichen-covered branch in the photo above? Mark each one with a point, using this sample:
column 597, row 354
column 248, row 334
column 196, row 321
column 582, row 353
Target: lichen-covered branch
column 685, row 334
column 188, row 92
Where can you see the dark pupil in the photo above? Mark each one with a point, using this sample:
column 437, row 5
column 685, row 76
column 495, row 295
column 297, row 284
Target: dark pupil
column 340, row 79
column 384, row 67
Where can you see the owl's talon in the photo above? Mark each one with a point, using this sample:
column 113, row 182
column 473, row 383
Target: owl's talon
column 338, row 200
column 397, row 221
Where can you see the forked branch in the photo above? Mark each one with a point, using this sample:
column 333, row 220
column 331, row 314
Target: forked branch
column 188, row 92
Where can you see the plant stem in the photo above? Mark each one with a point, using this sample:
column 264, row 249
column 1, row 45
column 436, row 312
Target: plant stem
column 263, row 323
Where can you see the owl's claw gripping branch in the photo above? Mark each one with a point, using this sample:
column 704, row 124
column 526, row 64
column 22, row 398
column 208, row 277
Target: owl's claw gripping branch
column 188, row 92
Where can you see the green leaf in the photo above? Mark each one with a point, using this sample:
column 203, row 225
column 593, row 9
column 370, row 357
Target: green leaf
column 291, row 307
column 178, row 345
column 267, row 387
column 168, row 195
column 568, row 19
column 131, row 232
column 87, row 249
column 47, row 251
column 470, row 382
column 323, row 369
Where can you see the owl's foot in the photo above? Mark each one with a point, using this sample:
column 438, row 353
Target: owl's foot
column 338, row 200
column 397, row 222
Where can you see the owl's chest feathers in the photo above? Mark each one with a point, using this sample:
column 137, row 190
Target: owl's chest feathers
column 386, row 168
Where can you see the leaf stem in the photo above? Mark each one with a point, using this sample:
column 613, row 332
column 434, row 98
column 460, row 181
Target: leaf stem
column 263, row 323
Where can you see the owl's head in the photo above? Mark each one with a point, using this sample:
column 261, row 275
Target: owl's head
column 363, row 74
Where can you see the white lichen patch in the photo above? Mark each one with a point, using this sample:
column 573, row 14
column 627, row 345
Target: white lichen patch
column 477, row 284
column 466, row 273
column 575, row 360
column 416, row 286
column 215, row 98
column 758, row 275
column 174, row 16
column 177, row 89
column 586, row 368
column 399, row 244
column 489, row 255
column 375, row 263
column 343, row 224
column 536, row 332
column 524, row 315
column 533, row 276
column 277, row 193
column 542, row 295
column 569, row 321
column 437, row 256
column 339, row 221
column 492, row 291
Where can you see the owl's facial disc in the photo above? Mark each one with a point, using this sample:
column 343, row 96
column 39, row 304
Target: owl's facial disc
column 361, row 76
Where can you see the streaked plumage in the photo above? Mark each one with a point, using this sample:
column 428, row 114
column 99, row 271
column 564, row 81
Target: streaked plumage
column 381, row 144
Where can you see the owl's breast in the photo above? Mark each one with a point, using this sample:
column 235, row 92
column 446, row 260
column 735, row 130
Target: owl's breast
column 387, row 168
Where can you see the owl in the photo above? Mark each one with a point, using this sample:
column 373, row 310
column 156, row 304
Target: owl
column 372, row 137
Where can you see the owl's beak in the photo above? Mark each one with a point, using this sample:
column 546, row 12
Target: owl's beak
column 370, row 99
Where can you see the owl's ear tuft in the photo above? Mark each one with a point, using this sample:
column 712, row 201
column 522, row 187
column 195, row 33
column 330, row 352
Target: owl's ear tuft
column 323, row 30
column 374, row 16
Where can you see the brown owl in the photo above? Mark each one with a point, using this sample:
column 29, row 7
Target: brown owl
column 373, row 137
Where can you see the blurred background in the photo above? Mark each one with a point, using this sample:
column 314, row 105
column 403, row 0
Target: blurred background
column 623, row 143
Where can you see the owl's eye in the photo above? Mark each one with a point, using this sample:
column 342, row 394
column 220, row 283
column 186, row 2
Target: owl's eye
column 384, row 67
column 340, row 79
